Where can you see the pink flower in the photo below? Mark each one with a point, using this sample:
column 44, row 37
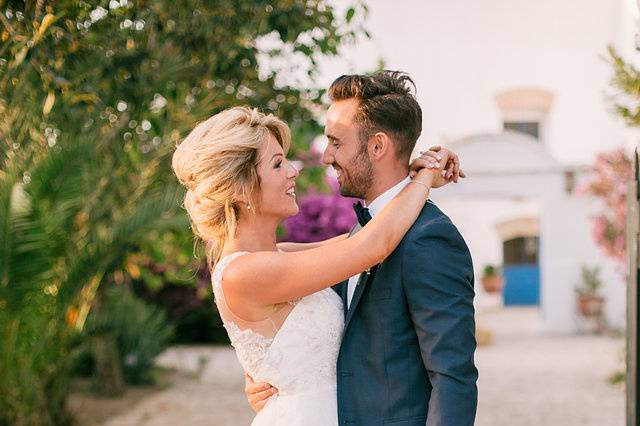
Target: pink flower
column 611, row 172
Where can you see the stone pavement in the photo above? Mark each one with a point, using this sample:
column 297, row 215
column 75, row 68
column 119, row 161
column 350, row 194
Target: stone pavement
column 526, row 378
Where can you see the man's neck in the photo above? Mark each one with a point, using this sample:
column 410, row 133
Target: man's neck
column 383, row 182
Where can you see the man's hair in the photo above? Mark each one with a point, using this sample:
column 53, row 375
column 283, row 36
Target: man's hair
column 386, row 105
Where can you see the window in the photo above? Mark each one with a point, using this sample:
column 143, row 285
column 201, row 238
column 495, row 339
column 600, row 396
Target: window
column 524, row 110
column 521, row 251
column 527, row 127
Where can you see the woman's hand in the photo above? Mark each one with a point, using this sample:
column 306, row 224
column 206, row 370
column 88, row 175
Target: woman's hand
column 434, row 159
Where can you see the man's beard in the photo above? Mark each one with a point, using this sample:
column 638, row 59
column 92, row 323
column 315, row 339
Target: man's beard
column 358, row 177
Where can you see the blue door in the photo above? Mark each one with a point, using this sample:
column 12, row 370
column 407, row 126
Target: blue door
column 522, row 285
column 521, row 272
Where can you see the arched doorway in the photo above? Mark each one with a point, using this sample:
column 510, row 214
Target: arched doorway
column 520, row 259
column 512, row 177
column 521, row 271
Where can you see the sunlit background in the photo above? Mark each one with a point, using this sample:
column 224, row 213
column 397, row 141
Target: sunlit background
column 106, row 311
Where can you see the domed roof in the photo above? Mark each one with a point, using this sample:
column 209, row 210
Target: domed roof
column 506, row 152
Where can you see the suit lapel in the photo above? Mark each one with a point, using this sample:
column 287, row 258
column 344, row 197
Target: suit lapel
column 363, row 282
column 345, row 291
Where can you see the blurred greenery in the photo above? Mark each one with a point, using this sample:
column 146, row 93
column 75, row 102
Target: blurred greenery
column 626, row 83
column 93, row 98
column 140, row 331
column 591, row 281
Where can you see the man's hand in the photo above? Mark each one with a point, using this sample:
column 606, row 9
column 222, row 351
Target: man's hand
column 257, row 393
column 432, row 159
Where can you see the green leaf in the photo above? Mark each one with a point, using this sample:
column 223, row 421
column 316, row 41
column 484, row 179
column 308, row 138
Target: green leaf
column 350, row 13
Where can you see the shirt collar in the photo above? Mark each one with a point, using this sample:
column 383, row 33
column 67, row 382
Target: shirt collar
column 384, row 198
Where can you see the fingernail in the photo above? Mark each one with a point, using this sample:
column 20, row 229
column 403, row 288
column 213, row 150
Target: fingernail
column 439, row 158
column 444, row 173
column 430, row 166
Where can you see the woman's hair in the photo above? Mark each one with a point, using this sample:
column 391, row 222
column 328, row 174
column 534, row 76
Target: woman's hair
column 218, row 161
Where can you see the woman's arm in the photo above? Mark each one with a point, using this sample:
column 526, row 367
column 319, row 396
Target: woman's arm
column 453, row 172
column 290, row 247
column 267, row 278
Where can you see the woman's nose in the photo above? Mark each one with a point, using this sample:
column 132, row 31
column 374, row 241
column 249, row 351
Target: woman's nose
column 293, row 171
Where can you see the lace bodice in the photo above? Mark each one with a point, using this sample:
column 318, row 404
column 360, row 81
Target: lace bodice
column 301, row 353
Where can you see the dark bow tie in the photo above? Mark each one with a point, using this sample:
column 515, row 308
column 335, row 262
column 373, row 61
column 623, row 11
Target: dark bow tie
column 362, row 213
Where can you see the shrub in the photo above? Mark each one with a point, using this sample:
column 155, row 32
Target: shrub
column 321, row 216
column 141, row 331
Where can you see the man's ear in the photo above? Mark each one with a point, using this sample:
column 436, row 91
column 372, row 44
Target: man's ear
column 379, row 145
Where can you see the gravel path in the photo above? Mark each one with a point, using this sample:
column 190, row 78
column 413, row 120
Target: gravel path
column 531, row 379
column 525, row 379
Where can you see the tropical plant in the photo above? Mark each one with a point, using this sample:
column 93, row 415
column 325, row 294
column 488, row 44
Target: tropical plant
column 190, row 308
column 140, row 331
column 626, row 84
column 490, row 270
column 591, row 281
column 64, row 228
column 93, row 97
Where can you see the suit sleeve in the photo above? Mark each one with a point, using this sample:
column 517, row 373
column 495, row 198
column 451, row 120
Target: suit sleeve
column 437, row 275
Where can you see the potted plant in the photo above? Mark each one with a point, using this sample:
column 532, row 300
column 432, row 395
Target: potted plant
column 590, row 302
column 492, row 280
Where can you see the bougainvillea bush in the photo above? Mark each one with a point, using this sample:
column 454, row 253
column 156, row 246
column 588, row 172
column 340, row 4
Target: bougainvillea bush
column 321, row 216
column 611, row 170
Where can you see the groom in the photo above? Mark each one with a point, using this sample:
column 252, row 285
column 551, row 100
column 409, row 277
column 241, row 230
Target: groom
column 407, row 353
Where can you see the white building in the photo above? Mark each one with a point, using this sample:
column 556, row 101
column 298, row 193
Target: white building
column 538, row 68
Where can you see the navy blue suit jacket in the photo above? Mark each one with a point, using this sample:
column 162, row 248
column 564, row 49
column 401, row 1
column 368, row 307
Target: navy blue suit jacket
column 407, row 354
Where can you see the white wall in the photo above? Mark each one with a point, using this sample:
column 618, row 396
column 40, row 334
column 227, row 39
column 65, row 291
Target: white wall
column 565, row 238
column 462, row 52
column 477, row 216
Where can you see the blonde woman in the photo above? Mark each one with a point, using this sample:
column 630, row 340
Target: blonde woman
column 283, row 319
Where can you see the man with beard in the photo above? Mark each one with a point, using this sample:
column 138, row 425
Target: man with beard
column 407, row 353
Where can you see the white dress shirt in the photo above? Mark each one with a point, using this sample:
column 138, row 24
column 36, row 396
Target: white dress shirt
column 375, row 206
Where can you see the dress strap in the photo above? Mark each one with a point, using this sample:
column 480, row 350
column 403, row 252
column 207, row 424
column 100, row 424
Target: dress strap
column 267, row 327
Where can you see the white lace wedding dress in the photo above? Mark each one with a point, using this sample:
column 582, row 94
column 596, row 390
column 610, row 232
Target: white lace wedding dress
column 295, row 350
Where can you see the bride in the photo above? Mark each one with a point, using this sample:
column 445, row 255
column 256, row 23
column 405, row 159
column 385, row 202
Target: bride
column 283, row 320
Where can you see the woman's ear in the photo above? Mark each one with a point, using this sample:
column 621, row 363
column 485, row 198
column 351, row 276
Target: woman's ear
column 239, row 195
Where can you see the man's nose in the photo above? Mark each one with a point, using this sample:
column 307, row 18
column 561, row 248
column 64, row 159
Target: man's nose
column 327, row 157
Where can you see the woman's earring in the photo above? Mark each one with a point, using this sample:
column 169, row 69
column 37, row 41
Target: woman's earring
column 248, row 206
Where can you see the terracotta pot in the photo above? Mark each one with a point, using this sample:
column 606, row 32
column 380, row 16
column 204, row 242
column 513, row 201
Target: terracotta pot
column 492, row 283
column 590, row 305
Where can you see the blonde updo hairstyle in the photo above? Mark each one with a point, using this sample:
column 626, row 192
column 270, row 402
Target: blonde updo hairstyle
column 217, row 161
